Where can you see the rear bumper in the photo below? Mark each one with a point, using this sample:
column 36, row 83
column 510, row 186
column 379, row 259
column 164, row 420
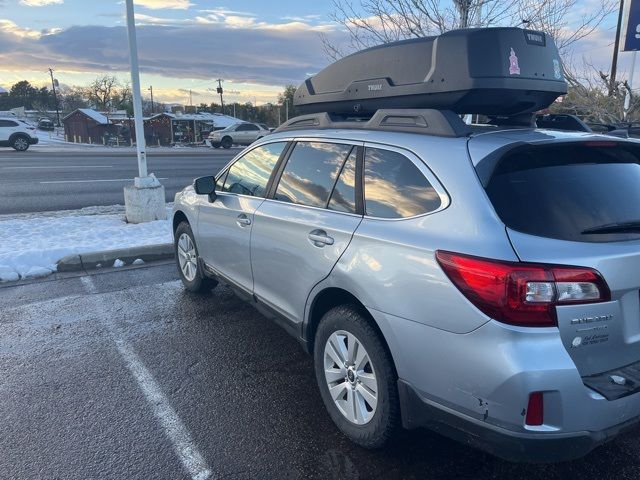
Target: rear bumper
column 512, row 446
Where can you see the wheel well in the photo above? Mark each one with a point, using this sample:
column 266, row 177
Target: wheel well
column 226, row 136
column 19, row 134
column 178, row 218
column 328, row 299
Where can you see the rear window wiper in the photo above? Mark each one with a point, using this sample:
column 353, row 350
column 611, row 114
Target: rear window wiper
column 621, row 227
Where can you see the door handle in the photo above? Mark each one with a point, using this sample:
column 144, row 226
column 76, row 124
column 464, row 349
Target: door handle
column 320, row 238
column 243, row 220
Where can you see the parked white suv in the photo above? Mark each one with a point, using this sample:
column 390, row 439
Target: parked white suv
column 16, row 134
column 237, row 134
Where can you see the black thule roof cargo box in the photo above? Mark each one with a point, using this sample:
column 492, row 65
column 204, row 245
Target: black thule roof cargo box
column 492, row 71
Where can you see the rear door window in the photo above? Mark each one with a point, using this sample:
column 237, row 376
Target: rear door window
column 585, row 192
column 249, row 175
column 311, row 172
column 394, row 187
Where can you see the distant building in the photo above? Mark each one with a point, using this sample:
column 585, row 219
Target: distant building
column 3, row 92
column 85, row 125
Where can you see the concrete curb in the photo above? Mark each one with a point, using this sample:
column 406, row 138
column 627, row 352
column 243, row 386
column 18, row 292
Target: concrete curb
column 88, row 261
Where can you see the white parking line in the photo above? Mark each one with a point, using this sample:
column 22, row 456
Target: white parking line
column 174, row 429
column 93, row 181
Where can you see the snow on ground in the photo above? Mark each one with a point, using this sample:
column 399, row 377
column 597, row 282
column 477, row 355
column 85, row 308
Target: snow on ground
column 30, row 245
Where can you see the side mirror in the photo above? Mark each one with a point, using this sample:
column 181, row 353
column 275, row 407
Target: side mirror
column 206, row 186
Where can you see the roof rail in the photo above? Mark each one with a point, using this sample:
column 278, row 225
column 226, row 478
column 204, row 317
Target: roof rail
column 442, row 123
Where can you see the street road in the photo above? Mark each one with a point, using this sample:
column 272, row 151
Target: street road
column 36, row 181
column 122, row 374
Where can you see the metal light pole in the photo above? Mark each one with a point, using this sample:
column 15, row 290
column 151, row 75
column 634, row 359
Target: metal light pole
column 144, row 200
column 135, row 89
column 627, row 97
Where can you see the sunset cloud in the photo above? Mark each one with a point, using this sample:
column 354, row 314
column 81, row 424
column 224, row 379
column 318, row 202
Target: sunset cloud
column 238, row 51
column 160, row 4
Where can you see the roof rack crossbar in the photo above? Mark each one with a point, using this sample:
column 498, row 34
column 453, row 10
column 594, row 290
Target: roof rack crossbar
column 442, row 123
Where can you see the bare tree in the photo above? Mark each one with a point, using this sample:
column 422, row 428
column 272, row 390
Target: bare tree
column 72, row 98
column 372, row 22
column 102, row 91
column 593, row 98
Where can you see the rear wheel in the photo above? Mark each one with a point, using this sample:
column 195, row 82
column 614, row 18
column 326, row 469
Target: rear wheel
column 356, row 377
column 20, row 143
column 186, row 254
column 226, row 142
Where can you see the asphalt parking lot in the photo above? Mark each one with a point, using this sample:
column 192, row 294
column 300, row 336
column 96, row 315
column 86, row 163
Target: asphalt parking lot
column 124, row 375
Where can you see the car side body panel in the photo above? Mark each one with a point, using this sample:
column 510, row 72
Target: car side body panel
column 286, row 262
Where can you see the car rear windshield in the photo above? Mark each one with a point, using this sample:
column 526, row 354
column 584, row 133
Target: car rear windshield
column 585, row 192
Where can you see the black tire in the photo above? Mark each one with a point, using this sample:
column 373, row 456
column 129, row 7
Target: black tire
column 226, row 142
column 215, row 145
column 20, row 143
column 199, row 284
column 385, row 423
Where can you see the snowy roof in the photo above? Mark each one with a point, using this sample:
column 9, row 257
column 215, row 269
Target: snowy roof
column 218, row 119
column 2, row 90
column 96, row 116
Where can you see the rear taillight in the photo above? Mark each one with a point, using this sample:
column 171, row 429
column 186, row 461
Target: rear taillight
column 535, row 409
column 520, row 293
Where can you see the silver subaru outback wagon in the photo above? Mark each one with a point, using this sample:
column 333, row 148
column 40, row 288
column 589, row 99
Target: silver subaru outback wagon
column 485, row 286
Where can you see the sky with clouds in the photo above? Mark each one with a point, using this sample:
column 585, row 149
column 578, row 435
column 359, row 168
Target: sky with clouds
column 256, row 46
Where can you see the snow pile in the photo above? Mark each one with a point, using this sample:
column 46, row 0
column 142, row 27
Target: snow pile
column 31, row 246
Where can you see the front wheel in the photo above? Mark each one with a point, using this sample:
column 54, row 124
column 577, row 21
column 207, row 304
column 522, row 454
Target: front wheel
column 356, row 377
column 227, row 142
column 186, row 254
column 21, row 144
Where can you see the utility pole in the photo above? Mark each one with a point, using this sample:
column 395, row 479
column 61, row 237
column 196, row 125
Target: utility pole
column 220, row 91
column 153, row 110
column 616, row 47
column 55, row 97
column 144, row 200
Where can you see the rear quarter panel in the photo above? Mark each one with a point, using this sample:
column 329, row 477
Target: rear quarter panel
column 390, row 265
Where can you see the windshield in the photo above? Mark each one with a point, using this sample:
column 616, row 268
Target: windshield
column 585, row 192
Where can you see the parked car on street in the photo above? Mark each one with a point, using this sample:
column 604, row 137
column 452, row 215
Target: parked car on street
column 46, row 124
column 16, row 134
column 264, row 126
column 482, row 281
column 237, row 134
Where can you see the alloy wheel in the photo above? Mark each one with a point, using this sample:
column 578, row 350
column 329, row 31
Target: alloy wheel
column 187, row 257
column 20, row 144
column 350, row 377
